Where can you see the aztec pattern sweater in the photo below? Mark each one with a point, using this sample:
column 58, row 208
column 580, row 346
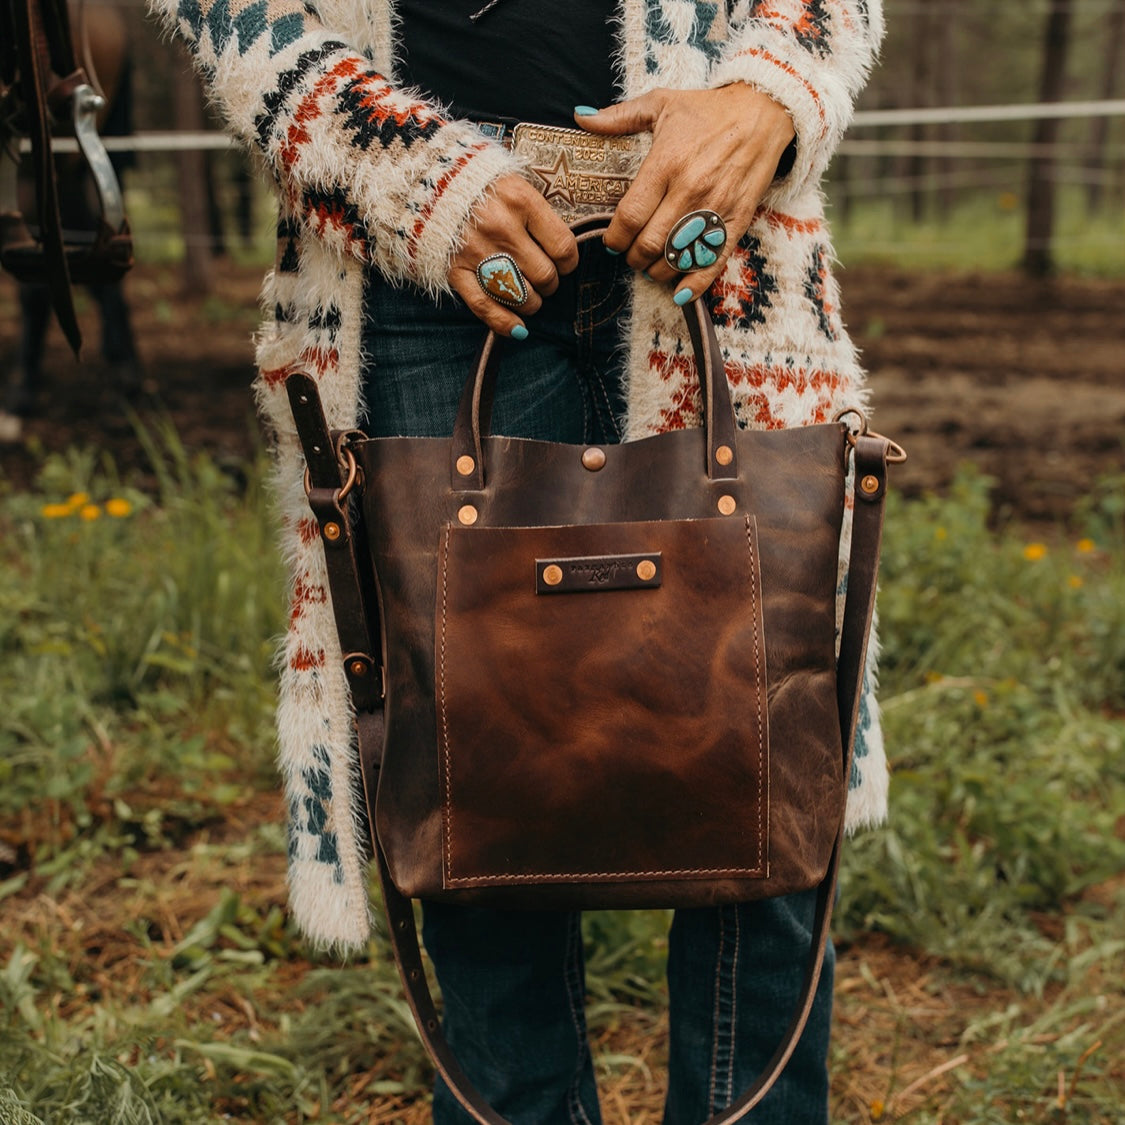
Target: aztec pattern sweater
column 371, row 176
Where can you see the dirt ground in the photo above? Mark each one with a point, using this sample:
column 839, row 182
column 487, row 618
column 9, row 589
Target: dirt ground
column 1025, row 379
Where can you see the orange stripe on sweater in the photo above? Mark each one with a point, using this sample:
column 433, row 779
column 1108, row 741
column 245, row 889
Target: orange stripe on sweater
column 792, row 71
column 273, row 377
column 308, row 109
column 306, row 660
column 442, row 184
column 789, row 223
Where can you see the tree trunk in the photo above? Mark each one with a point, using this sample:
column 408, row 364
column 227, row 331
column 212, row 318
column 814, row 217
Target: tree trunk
column 1096, row 165
column 192, row 185
column 1038, row 255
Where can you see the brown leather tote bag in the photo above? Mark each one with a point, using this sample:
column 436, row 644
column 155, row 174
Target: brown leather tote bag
column 611, row 674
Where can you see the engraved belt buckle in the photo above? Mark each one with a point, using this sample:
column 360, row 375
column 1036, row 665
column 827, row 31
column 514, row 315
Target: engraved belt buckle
column 579, row 173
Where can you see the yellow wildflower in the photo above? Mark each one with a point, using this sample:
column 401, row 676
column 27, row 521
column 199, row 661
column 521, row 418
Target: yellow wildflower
column 118, row 507
column 77, row 499
column 1086, row 546
column 89, row 512
column 56, row 511
column 878, row 1108
column 1074, row 581
column 940, row 534
column 1033, row 552
column 980, row 698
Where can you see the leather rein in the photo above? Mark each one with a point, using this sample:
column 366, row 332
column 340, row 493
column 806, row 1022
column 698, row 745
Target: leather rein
column 43, row 92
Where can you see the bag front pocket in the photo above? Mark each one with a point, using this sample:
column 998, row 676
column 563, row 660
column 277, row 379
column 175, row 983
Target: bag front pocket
column 601, row 703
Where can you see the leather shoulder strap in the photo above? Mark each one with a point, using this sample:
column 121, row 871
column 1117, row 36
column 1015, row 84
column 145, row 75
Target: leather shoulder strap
column 871, row 453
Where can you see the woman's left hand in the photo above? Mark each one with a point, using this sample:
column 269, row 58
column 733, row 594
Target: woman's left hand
column 712, row 150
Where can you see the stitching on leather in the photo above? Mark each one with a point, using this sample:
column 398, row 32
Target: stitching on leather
column 539, row 877
column 448, row 835
column 760, row 871
column 763, row 771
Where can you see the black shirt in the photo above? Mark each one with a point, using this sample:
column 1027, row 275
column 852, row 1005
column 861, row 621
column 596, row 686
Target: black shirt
column 525, row 60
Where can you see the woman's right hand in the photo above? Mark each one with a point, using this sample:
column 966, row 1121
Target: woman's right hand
column 514, row 220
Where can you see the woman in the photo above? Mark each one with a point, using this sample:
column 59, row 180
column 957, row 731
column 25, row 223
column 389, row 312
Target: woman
column 390, row 203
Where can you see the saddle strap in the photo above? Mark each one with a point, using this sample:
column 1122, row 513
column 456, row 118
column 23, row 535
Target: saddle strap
column 40, row 58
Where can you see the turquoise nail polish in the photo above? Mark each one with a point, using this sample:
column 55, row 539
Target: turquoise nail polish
column 584, row 111
column 519, row 332
column 682, row 296
column 610, row 250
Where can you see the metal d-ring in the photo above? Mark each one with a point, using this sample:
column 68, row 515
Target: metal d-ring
column 352, row 467
column 851, row 435
column 895, row 453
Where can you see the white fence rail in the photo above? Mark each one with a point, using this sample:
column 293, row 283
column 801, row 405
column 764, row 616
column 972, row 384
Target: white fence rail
column 948, row 115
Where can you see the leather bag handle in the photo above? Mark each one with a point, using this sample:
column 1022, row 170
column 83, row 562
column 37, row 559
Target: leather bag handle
column 474, row 413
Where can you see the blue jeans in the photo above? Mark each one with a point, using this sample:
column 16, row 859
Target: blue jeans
column 512, row 982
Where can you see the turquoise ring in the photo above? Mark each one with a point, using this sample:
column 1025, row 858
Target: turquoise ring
column 695, row 242
column 500, row 277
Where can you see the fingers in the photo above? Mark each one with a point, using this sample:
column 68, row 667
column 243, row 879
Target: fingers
column 712, row 150
column 638, row 115
column 503, row 321
column 515, row 221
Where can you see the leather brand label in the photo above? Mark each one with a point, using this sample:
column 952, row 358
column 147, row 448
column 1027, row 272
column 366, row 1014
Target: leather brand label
column 591, row 573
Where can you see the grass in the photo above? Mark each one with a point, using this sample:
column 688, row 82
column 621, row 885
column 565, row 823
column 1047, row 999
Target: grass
column 983, row 231
column 148, row 972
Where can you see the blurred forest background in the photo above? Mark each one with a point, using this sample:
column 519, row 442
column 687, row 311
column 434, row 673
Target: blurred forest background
column 148, row 971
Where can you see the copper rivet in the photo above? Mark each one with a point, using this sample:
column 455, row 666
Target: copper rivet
column 869, row 484
column 593, row 459
column 724, row 455
column 727, row 505
column 358, row 668
column 467, row 515
column 552, row 574
column 646, row 570
column 332, row 531
column 465, row 465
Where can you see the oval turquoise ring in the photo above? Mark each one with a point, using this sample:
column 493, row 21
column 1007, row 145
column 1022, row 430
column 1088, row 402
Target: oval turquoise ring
column 500, row 277
column 695, row 242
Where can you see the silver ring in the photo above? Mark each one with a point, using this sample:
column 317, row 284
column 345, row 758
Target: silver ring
column 500, row 277
column 696, row 241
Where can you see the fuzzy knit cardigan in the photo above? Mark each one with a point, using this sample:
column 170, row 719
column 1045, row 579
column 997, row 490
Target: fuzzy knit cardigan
column 374, row 177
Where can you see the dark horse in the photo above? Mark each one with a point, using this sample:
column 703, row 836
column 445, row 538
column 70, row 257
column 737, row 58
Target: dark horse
column 81, row 184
